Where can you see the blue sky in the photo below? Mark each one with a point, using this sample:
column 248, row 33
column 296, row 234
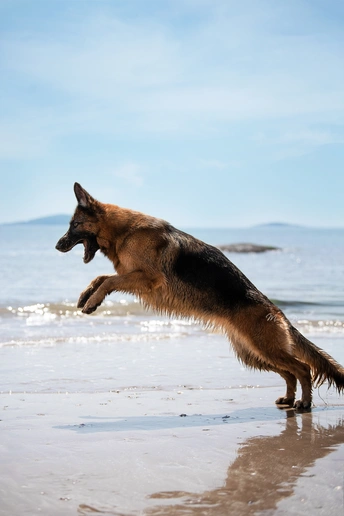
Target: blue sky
column 203, row 112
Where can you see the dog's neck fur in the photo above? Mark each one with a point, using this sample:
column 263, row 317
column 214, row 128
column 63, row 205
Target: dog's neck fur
column 117, row 221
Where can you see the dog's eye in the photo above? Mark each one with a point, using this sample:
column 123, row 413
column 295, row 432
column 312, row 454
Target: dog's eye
column 76, row 224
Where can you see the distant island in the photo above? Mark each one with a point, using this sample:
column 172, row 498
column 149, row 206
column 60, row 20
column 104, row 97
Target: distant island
column 51, row 220
column 247, row 248
column 280, row 225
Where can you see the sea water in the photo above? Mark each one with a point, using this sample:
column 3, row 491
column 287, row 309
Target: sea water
column 40, row 288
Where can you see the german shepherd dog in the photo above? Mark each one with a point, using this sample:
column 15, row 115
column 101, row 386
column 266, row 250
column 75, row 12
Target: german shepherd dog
column 177, row 274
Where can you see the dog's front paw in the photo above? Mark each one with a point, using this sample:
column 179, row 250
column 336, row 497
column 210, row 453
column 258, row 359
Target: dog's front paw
column 84, row 296
column 89, row 309
column 90, row 290
column 92, row 304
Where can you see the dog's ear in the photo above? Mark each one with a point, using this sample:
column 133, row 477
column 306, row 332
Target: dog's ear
column 85, row 200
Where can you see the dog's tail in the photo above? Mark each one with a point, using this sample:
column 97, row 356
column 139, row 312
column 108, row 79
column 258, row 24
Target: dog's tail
column 323, row 366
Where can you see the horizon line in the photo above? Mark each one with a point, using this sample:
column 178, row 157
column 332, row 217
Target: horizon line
column 44, row 221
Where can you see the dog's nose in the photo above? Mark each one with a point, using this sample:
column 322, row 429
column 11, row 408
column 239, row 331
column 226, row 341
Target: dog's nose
column 59, row 245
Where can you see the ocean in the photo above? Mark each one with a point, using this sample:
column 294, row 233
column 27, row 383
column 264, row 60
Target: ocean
column 40, row 288
column 128, row 412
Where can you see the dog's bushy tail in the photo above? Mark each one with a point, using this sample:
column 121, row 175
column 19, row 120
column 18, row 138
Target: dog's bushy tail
column 323, row 366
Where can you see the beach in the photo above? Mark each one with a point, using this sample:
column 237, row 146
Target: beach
column 129, row 413
column 171, row 447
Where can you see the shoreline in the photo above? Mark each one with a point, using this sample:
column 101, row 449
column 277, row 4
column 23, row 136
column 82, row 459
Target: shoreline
column 105, row 445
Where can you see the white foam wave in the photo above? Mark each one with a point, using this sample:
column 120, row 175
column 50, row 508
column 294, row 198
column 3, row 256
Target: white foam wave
column 66, row 309
column 320, row 326
column 103, row 338
column 131, row 313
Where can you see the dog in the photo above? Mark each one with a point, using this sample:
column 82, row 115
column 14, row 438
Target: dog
column 177, row 274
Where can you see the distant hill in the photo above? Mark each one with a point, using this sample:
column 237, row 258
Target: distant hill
column 277, row 225
column 51, row 220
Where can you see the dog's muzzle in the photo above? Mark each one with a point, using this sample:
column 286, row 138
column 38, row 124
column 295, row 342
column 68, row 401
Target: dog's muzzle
column 65, row 244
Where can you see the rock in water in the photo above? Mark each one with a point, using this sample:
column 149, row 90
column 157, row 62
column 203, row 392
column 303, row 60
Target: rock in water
column 247, row 248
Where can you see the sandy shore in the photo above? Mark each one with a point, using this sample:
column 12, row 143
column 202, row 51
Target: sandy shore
column 161, row 447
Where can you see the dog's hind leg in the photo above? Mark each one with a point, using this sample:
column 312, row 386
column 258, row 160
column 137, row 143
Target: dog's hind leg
column 251, row 360
column 291, row 382
column 271, row 352
column 269, row 339
column 291, row 370
column 302, row 372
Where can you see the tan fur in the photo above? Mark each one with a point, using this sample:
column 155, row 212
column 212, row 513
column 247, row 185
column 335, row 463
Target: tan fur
column 148, row 255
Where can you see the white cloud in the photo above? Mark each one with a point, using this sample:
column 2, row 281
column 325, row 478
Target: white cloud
column 104, row 75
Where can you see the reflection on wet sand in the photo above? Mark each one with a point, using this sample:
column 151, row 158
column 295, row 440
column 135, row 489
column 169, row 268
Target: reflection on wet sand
column 265, row 471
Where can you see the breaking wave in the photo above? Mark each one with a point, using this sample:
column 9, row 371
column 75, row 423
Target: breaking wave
column 119, row 308
column 67, row 310
column 109, row 313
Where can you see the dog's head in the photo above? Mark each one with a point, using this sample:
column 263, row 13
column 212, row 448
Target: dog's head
column 83, row 227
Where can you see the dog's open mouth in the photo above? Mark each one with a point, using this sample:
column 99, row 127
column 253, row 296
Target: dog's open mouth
column 90, row 248
column 89, row 241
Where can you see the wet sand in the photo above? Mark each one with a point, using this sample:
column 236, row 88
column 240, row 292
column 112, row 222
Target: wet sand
column 76, row 441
